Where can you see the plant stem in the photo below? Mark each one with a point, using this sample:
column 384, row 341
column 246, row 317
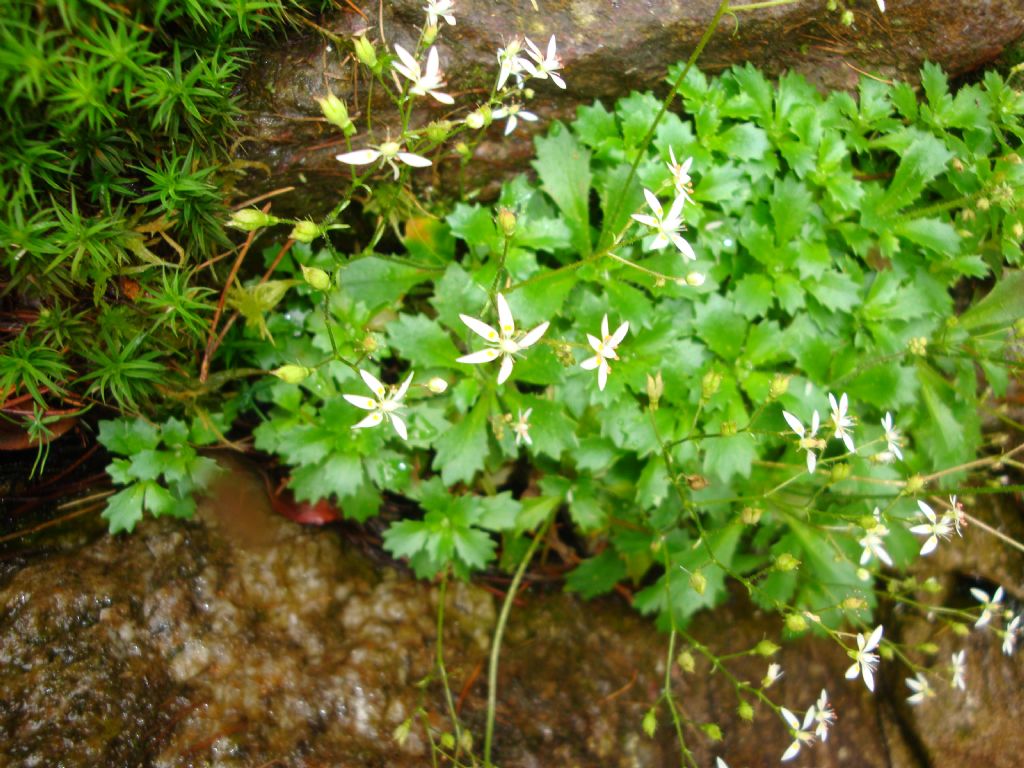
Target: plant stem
column 441, row 670
column 499, row 631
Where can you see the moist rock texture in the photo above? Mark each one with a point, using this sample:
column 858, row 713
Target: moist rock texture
column 609, row 48
column 242, row 639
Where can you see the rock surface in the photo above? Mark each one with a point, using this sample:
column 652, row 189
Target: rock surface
column 609, row 48
column 242, row 639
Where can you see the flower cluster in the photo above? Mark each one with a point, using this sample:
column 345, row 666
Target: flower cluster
column 842, row 429
column 817, row 721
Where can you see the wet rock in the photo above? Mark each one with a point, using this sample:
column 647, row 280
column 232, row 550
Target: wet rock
column 186, row 644
column 608, row 47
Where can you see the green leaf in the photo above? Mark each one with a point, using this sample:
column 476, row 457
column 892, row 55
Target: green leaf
column 422, row 342
column 934, row 234
column 1002, row 306
column 462, row 450
column 128, row 437
column 124, row 508
column 721, row 327
column 375, row 280
column 728, row 457
column 596, row 575
column 836, row 291
column 753, row 295
column 923, row 160
column 563, row 166
column 742, row 141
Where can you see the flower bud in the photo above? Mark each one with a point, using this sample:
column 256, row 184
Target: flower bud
column 438, row 131
column 336, row 112
column 699, row 582
column 437, row 385
column 695, row 279
column 474, row 120
column 249, row 219
column 712, row 731
column 686, row 662
column 914, row 485
column 316, row 278
column 796, row 623
column 932, row 585
column 507, row 222
column 429, row 34
column 930, row 648
column 447, row 741
column 697, row 482
column 401, row 733
column 847, row 18
column 728, row 428
column 786, row 562
column 650, row 723
column 463, row 149
column 709, row 384
column 863, row 574
column 959, row 629
column 1018, row 230
column 655, row 389
column 840, row 472
column 919, row 346
column 529, row 93
column 365, row 52
column 745, row 711
column 292, row 374
column 779, row 386
column 983, row 203
column 304, row 231
column 958, row 165
column 750, row 515
column 369, row 344
column 766, row 648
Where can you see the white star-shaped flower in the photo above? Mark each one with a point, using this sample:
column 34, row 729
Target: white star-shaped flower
column 514, row 113
column 387, row 152
column 873, row 542
column 681, row 176
column 988, row 605
column 604, row 349
column 864, row 661
column 842, row 424
column 808, row 440
column 428, row 81
column 505, row 344
column 385, row 407
column 958, row 668
column 440, row 9
column 522, row 427
column 934, row 528
column 955, row 515
column 824, row 716
column 667, row 225
column 921, row 688
column 893, row 439
column 510, row 63
column 800, row 732
column 1013, row 629
column 547, row 64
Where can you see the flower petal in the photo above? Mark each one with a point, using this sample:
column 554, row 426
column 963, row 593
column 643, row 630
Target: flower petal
column 373, row 383
column 590, row 363
column 373, row 420
column 404, row 388
column 366, row 403
column 480, row 328
column 506, row 368
column 505, row 321
column 794, row 423
column 359, row 157
column 534, row 336
column 483, row 356
column 414, row 160
column 602, row 375
column 399, row 425
column 619, row 335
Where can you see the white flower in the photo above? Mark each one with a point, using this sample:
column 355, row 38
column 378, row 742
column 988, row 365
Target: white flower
column 522, row 427
column 384, row 408
column 824, row 716
column 799, row 731
column 772, row 675
column 893, row 440
column 955, row 515
column 921, row 688
column 423, row 82
column 511, row 63
column 1010, row 638
column 681, row 176
column 604, row 349
column 439, row 9
column 666, row 225
column 808, row 441
column 513, row 112
column 505, row 344
column 388, row 152
column 547, row 63
column 959, row 670
column 864, row 661
column 841, row 423
column 987, row 605
column 935, row 529
column 873, row 542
